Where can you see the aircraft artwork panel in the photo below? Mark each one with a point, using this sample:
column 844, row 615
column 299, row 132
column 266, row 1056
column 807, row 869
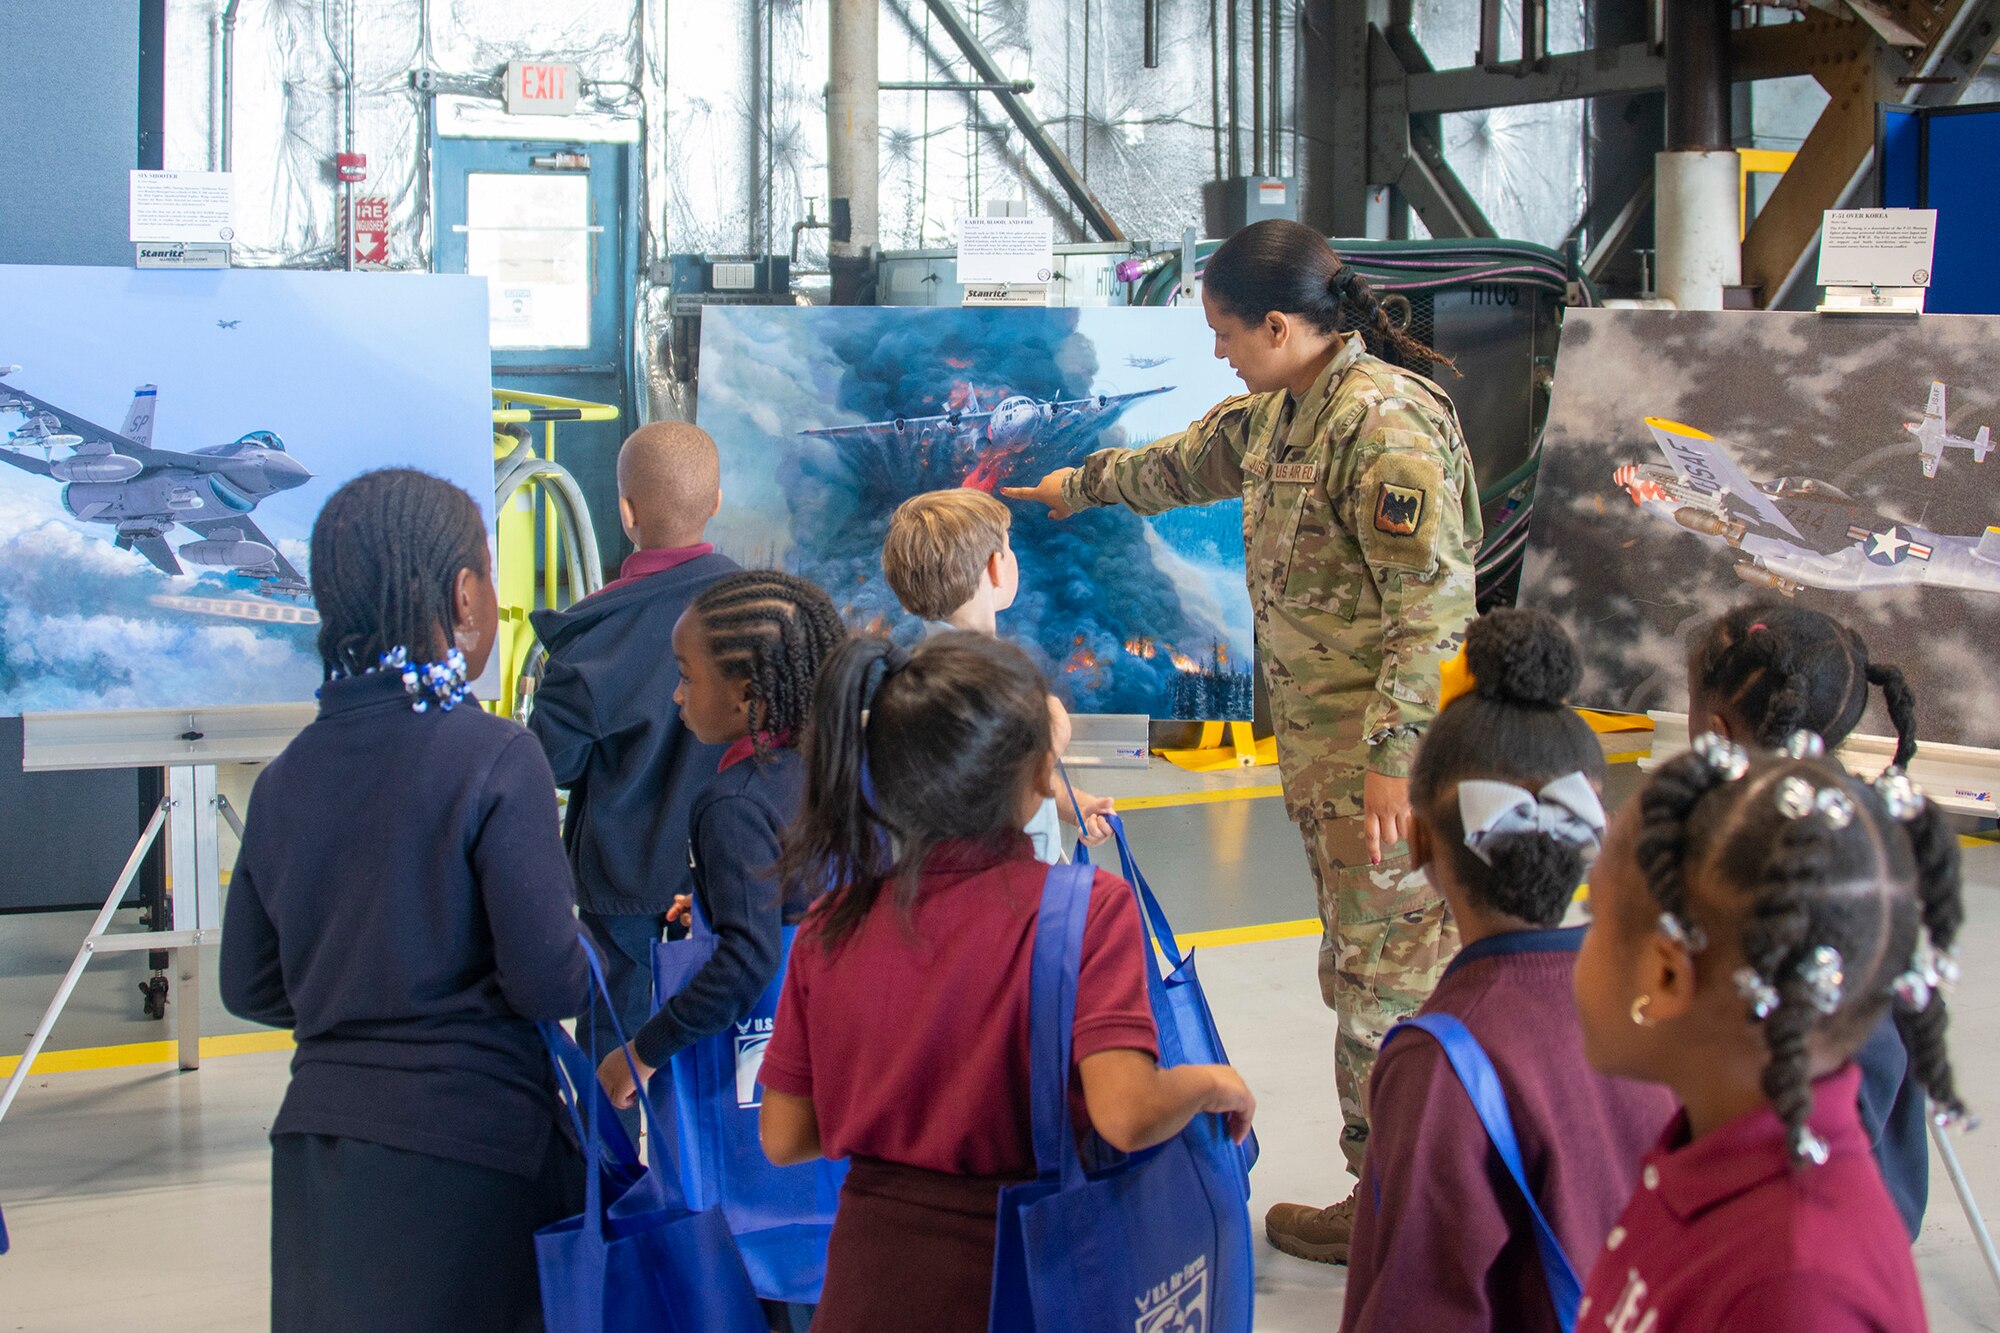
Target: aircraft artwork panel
column 829, row 417
column 168, row 438
column 1694, row 460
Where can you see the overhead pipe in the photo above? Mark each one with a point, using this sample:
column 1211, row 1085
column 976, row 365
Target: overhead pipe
column 228, row 116
column 1150, row 46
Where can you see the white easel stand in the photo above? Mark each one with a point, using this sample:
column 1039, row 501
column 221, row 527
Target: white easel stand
column 188, row 745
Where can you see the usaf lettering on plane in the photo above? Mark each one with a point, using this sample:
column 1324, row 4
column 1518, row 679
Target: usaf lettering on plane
column 1798, row 532
column 118, row 479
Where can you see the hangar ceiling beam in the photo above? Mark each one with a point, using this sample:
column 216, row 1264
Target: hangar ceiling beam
column 1858, row 69
column 988, row 70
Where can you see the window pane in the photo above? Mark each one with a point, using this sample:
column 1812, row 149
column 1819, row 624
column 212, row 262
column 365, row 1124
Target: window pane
column 528, row 236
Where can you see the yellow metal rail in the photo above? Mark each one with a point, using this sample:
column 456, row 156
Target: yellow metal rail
column 514, row 560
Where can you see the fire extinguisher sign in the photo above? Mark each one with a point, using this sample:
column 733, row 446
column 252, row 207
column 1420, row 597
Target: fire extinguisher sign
column 371, row 229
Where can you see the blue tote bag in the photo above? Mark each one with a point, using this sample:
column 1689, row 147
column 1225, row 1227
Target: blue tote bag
column 1188, row 1035
column 781, row 1215
column 1157, row 1242
column 1482, row 1084
column 637, row 1257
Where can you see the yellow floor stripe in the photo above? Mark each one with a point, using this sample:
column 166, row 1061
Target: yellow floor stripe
column 1198, row 798
column 1627, row 756
column 147, row 1053
column 1274, row 930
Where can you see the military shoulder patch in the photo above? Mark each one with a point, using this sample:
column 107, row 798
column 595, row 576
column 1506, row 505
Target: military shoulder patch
column 1399, row 510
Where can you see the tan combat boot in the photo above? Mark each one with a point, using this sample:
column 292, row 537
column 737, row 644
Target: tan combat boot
column 1318, row 1234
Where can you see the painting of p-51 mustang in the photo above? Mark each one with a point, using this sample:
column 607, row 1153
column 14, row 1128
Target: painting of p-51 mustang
column 1694, row 460
column 163, row 563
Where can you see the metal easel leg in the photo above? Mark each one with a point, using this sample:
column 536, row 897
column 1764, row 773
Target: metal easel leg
column 1963, row 1187
column 83, row 955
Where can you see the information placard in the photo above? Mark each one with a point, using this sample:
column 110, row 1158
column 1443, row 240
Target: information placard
column 1010, row 250
column 181, row 206
column 1877, row 247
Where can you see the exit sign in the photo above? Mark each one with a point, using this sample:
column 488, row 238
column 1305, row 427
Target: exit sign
column 539, row 88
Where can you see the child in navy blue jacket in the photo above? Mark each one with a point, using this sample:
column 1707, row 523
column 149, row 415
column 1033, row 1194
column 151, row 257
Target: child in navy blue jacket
column 402, row 905
column 748, row 652
column 604, row 711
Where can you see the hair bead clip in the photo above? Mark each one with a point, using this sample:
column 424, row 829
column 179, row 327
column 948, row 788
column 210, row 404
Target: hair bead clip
column 1725, row 758
column 1684, row 933
column 1913, row 991
column 1835, row 806
column 1823, row 974
column 1804, row 745
column 1902, row 798
column 1759, row 994
column 1954, row 1117
column 1808, row 1146
column 1795, row 797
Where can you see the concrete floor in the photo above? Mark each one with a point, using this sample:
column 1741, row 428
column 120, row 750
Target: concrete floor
column 138, row 1195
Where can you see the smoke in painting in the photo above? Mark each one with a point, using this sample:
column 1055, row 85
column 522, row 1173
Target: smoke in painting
column 828, row 418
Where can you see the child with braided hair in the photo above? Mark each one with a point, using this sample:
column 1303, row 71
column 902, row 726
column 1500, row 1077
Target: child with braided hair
column 1753, row 916
column 1758, row 674
column 748, row 651
column 1505, row 789
column 402, row 904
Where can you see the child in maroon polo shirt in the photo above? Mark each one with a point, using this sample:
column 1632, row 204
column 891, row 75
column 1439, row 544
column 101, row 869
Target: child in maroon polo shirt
column 1505, row 792
column 901, row 1040
column 1753, row 918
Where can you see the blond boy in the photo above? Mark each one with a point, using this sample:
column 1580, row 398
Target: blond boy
column 950, row 563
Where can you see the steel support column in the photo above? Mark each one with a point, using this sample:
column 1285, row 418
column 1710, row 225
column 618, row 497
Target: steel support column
column 853, row 144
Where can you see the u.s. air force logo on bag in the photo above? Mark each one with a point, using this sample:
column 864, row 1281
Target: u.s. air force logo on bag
column 1178, row 1305
column 752, row 1036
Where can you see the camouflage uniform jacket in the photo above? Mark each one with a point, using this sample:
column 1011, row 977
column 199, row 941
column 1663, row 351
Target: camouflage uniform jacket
column 1360, row 529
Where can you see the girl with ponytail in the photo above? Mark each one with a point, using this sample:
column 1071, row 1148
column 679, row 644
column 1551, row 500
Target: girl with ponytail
column 901, row 1040
column 1508, row 820
column 1360, row 527
column 1757, row 675
column 1753, row 917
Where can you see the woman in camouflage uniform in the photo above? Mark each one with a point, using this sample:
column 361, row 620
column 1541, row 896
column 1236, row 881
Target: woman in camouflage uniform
column 1360, row 527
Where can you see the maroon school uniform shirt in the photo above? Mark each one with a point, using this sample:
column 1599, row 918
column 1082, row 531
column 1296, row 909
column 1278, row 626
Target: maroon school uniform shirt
column 912, row 1039
column 1725, row 1235
column 1442, row 1237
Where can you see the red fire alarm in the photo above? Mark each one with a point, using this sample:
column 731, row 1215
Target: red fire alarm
column 352, row 166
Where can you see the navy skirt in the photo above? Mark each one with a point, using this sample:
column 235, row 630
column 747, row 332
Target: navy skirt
column 367, row 1237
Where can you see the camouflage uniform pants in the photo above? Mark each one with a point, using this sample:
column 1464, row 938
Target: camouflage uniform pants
column 1385, row 940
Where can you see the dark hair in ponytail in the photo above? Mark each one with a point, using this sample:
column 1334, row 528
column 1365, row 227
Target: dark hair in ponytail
column 953, row 733
column 1288, row 267
column 1870, row 887
column 1780, row 669
column 1514, row 728
column 772, row 630
column 387, row 550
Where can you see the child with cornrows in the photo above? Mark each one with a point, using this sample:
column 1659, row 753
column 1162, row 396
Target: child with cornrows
column 901, row 1041
column 1757, row 675
column 402, row 904
column 1505, row 789
column 1753, row 916
column 748, row 650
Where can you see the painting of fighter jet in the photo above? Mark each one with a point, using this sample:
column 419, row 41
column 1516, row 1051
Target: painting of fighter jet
column 1698, row 460
column 155, row 541
column 829, row 417
column 1146, row 362
column 988, row 441
column 117, row 479
column 1796, row 532
column 1933, row 438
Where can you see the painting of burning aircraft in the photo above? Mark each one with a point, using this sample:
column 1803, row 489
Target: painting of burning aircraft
column 829, row 417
